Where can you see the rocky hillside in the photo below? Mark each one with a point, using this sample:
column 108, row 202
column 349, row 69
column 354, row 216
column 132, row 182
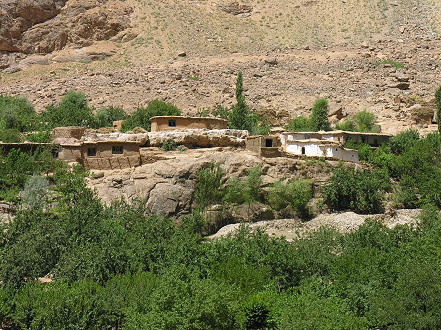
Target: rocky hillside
column 376, row 55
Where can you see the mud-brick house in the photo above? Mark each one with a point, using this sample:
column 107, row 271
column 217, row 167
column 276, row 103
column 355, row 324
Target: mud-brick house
column 179, row 123
column 95, row 151
column 102, row 155
column 264, row 146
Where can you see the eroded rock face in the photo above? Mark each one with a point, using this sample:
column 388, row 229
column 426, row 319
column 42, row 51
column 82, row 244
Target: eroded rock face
column 44, row 26
column 200, row 137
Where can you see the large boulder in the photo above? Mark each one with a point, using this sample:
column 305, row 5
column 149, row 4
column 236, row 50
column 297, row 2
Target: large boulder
column 169, row 199
column 201, row 138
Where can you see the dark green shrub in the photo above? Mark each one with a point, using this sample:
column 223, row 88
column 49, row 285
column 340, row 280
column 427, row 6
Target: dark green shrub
column 299, row 124
column 294, row 193
column 10, row 136
column 16, row 113
column 246, row 190
column 105, row 117
column 141, row 117
column 169, row 145
column 319, row 116
column 360, row 191
column 71, row 111
column 40, row 137
column 404, row 141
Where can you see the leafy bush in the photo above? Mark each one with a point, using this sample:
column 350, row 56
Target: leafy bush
column 16, row 113
column 404, row 141
column 299, row 124
column 247, row 190
column 169, row 145
column 71, row 111
column 317, row 122
column 141, row 117
column 366, row 122
column 208, row 187
column 10, row 136
column 396, row 65
column 347, row 125
column 356, row 190
column 105, row 117
column 294, row 193
column 35, row 192
column 40, row 137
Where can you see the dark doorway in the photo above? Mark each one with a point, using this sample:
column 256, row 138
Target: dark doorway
column 268, row 143
column 303, row 150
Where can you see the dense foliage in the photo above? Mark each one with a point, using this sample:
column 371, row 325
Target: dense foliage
column 438, row 108
column 318, row 121
column 16, row 113
column 116, row 266
column 141, row 117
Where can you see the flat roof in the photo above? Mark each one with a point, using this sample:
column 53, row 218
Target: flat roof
column 26, row 144
column 322, row 142
column 339, row 132
column 187, row 117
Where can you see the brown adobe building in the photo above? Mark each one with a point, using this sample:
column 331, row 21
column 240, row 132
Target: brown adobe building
column 264, row 146
column 170, row 123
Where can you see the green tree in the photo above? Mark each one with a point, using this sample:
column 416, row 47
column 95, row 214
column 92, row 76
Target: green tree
column 240, row 113
column 319, row 116
column 71, row 111
column 299, row 124
column 11, row 135
column 106, row 116
column 366, row 122
column 347, row 125
column 141, row 117
column 438, row 107
column 16, row 113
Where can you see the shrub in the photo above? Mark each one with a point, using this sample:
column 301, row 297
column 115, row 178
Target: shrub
column 40, row 137
column 71, row 111
column 360, row 191
column 294, row 193
column 169, row 145
column 208, row 187
column 105, row 117
column 299, row 124
column 16, row 113
column 246, row 190
column 10, row 136
column 319, row 116
column 347, row 125
column 404, row 141
column 141, row 117
column 366, row 122
column 35, row 192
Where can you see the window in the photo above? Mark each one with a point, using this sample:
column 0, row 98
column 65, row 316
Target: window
column 117, row 150
column 91, row 152
column 269, row 143
column 172, row 123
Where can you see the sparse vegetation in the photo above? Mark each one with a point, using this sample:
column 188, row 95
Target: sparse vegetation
column 438, row 108
column 169, row 145
column 396, row 65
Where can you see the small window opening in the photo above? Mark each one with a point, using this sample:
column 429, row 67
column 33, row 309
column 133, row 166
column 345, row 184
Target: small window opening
column 91, row 152
column 303, row 150
column 363, row 139
column 117, row 150
column 269, row 143
column 375, row 143
column 172, row 123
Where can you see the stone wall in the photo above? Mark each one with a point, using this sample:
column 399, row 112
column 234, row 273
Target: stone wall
column 68, row 132
column 111, row 163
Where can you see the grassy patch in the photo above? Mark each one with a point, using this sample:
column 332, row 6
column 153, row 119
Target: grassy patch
column 396, row 65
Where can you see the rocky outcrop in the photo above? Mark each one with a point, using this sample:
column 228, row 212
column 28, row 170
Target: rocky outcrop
column 200, row 138
column 44, row 26
column 235, row 8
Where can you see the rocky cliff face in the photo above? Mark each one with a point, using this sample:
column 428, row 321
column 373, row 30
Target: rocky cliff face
column 43, row 26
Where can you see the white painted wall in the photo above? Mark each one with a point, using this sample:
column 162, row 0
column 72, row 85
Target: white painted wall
column 317, row 150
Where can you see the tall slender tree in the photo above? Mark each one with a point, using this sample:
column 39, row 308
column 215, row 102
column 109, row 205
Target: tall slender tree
column 438, row 107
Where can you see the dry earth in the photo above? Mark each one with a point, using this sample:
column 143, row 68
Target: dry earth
column 189, row 53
